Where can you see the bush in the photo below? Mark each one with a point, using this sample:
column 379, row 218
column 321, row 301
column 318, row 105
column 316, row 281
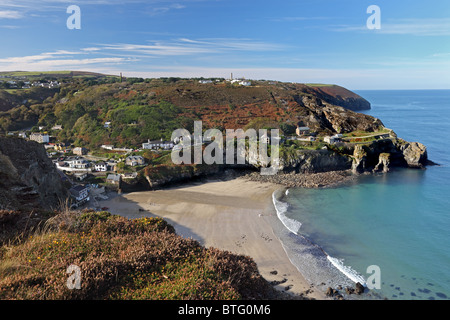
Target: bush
column 123, row 259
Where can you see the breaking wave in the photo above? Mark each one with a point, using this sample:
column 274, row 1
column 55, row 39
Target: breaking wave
column 347, row 271
column 281, row 209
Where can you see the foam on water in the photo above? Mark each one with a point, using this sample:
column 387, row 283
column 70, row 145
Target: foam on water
column 347, row 271
column 281, row 209
column 294, row 226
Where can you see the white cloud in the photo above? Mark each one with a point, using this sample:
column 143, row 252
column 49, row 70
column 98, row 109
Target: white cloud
column 184, row 46
column 416, row 27
column 60, row 59
column 10, row 14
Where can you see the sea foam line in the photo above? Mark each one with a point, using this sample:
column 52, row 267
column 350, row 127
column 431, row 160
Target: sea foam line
column 281, row 208
column 294, row 227
column 347, row 271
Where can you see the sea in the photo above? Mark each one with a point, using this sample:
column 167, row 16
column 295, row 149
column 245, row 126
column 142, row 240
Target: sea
column 388, row 231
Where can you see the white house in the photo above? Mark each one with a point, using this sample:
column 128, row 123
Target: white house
column 107, row 124
column 78, row 164
column 158, row 144
column 333, row 139
column 245, row 83
column 107, row 146
column 40, row 137
column 101, row 166
column 80, row 195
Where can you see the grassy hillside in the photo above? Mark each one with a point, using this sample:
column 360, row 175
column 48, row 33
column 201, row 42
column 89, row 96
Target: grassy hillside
column 141, row 109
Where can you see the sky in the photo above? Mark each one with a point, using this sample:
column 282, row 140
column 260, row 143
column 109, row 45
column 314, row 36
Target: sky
column 307, row 41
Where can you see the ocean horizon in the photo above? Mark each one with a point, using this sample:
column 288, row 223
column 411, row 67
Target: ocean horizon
column 397, row 221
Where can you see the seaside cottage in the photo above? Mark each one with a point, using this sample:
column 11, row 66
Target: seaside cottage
column 135, row 161
column 158, row 144
column 101, row 166
column 40, row 137
column 113, row 179
column 80, row 195
column 80, row 151
column 300, row 131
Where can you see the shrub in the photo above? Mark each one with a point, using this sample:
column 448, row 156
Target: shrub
column 121, row 258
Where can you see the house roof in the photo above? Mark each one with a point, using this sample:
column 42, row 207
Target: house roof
column 114, row 177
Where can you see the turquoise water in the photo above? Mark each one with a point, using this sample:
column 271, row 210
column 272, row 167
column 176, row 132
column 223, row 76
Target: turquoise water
column 398, row 221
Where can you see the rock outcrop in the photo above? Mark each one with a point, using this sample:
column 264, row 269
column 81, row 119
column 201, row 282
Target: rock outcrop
column 359, row 159
column 415, row 154
column 28, row 178
column 383, row 164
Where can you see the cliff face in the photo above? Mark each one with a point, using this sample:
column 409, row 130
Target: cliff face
column 28, row 178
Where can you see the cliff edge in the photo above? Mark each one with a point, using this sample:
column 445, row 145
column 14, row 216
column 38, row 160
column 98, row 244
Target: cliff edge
column 28, row 178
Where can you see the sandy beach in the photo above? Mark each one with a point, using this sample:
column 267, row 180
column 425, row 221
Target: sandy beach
column 233, row 215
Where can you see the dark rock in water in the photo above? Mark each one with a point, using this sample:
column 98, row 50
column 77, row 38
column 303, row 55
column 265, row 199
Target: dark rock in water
column 331, row 292
column 397, row 288
column 431, row 298
column 441, row 295
column 339, row 296
column 349, row 290
column 424, row 290
column 413, row 294
column 394, row 296
column 359, row 288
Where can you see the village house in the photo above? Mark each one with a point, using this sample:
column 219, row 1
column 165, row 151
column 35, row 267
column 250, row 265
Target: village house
column 333, row 139
column 113, row 179
column 101, row 166
column 79, row 164
column 61, row 146
column 158, row 144
column 111, row 164
column 135, row 161
column 308, row 139
column 130, row 175
column 107, row 146
column 40, row 137
column 80, row 195
column 80, row 151
column 302, row 130
column 80, row 176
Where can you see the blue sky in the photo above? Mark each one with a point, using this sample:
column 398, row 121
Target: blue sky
column 324, row 41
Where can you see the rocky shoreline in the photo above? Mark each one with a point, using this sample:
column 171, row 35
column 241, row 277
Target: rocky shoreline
column 306, row 180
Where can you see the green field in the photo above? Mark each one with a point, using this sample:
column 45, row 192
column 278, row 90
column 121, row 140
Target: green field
column 319, row 85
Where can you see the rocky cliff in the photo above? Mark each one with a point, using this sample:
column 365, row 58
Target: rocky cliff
column 28, row 178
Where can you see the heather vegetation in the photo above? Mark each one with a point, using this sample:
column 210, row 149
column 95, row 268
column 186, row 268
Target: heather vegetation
column 122, row 259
